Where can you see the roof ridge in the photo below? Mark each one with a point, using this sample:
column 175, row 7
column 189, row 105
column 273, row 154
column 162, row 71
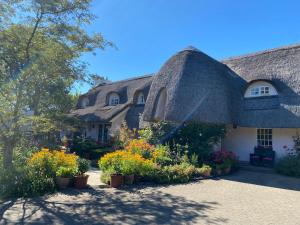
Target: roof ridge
column 286, row 47
column 125, row 80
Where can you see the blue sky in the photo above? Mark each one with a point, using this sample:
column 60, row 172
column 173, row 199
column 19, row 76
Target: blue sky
column 148, row 32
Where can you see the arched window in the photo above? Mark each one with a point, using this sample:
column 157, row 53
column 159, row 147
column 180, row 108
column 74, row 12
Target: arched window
column 160, row 106
column 259, row 89
column 141, row 99
column 114, row 99
column 84, row 103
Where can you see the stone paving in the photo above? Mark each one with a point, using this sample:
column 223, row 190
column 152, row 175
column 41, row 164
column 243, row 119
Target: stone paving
column 245, row 197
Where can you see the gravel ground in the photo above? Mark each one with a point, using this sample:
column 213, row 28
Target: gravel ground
column 242, row 198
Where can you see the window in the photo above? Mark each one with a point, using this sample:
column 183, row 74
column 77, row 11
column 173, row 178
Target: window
column 264, row 137
column 141, row 99
column 255, row 91
column 260, row 88
column 260, row 91
column 114, row 99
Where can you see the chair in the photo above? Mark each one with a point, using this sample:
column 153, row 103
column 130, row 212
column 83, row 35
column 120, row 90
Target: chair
column 262, row 156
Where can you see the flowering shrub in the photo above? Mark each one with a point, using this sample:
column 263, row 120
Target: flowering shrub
column 223, row 156
column 47, row 162
column 141, row 147
column 125, row 162
column 179, row 173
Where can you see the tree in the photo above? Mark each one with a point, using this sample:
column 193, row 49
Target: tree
column 41, row 43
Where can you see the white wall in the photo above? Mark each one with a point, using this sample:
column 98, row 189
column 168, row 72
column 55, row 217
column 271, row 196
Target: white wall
column 242, row 141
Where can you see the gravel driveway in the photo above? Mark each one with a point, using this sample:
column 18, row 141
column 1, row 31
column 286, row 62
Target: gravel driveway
column 241, row 198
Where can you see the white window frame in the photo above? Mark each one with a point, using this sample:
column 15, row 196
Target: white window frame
column 114, row 99
column 264, row 137
column 260, row 91
column 141, row 99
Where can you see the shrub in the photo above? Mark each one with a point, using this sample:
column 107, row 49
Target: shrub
column 141, row 147
column 289, row 165
column 125, row 162
column 162, row 155
column 157, row 133
column 180, row 173
column 224, row 157
column 47, row 162
column 83, row 166
column 14, row 183
column 65, row 172
column 205, row 170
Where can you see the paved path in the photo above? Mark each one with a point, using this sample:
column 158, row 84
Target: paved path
column 239, row 199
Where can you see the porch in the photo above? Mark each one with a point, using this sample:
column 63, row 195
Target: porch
column 243, row 141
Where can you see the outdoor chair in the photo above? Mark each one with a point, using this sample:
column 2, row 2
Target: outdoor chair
column 262, row 157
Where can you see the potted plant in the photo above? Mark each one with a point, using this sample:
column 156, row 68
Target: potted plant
column 116, row 177
column 128, row 170
column 205, row 170
column 81, row 179
column 63, row 177
column 227, row 167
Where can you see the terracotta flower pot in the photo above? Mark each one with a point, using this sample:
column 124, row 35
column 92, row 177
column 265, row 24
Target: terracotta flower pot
column 128, row 179
column 116, row 181
column 62, row 182
column 80, row 181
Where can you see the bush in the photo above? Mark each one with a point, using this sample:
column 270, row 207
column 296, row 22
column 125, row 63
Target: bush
column 83, row 166
column 198, row 138
column 141, row 147
column 289, row 165
column 162, row 155
column 46, row 162
column 224, row 159
column 65, row 172
column 125, row 162
column 180, row 173
column 205, row 170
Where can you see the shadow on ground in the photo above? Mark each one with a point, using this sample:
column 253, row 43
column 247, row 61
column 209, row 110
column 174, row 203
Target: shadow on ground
column 265, row 179
column 106, row 206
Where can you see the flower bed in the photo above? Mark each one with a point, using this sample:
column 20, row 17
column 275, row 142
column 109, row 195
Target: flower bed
column 158, row 164
column 45, row 171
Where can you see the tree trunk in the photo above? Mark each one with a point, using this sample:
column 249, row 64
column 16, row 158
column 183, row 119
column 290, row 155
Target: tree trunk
column 7, row 155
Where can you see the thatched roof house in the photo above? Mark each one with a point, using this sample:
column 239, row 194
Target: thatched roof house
column 253, row 92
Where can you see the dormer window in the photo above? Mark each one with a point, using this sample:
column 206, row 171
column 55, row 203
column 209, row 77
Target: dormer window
column 141, row 99
column 114, row 99
column 259, row 89
column 84, row 103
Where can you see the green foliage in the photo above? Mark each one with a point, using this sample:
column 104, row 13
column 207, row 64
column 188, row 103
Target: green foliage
column 163, row 155
column 195, row 138
column 289, row 165
column 205, row 170
column 180, row 173
column 41, row 43
column 200, row 138
column 65, row 172
column 157, row 133
column 124, row 136
column 83, row 165
column 194, row 159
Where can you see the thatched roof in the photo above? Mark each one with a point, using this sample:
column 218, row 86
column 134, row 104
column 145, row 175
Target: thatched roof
column 196, row 87
column 98, row 109
column 281, row 67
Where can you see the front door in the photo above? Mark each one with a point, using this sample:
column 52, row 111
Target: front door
column 103, row 133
